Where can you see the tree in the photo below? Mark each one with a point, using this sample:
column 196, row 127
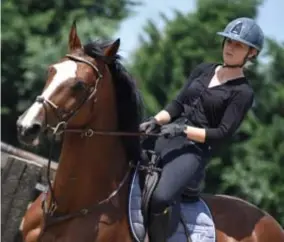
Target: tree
column 249, row 166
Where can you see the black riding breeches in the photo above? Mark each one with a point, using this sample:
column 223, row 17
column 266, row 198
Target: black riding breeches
column 181, row 167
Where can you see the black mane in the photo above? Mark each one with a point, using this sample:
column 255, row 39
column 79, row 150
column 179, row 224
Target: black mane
column 128, row 99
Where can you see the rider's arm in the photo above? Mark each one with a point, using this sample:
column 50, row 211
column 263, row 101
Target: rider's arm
column 163, row 117
column 195, row 134
column 233, row 116
column 238, row 107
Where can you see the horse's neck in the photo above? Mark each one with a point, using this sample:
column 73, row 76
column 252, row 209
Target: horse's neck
column 89, row 170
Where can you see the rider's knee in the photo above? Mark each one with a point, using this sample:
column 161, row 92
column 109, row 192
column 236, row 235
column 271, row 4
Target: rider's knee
column 160, row 201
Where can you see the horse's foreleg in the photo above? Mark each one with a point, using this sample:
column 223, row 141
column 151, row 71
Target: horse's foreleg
column 32, row 222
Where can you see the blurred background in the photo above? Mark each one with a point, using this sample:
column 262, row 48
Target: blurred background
column 161, row 42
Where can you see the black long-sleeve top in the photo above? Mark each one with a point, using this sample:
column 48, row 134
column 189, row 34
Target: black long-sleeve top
column 219, row 109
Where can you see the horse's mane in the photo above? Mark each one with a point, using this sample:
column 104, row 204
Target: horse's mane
column 128, row 98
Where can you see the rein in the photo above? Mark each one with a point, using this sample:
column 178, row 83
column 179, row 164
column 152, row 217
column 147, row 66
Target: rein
column 50, row 210
column 62, row 128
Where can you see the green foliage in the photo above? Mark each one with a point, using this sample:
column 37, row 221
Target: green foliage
column 251, row 165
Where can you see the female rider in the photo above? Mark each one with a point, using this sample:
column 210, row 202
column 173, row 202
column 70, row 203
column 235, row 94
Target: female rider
column 207, row 111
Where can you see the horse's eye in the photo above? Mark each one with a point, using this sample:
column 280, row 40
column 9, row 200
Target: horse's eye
column 79, row 86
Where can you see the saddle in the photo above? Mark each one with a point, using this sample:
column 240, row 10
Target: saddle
column 150, row 169
column 149, row 176
column 192, row 220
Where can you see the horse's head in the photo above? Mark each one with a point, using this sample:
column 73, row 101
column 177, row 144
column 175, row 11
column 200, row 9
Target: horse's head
column 70, row 91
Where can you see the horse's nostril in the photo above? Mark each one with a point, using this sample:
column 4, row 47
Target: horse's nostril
column 33, row 130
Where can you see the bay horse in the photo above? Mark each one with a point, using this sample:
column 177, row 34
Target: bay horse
column 92, row 101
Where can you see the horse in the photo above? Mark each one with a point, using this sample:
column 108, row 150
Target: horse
column 94, row 104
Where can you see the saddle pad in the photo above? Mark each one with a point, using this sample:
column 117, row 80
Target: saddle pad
column 196, row 214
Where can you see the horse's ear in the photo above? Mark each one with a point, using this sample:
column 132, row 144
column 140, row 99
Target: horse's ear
column 74, row 41
column 112, row 49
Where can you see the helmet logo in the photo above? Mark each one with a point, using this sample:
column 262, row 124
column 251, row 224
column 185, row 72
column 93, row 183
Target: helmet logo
column 237, row 28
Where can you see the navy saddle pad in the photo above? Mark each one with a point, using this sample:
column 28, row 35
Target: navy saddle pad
column 198, row 218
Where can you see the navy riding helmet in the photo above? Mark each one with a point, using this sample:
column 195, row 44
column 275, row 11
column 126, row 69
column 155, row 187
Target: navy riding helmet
column 244, row 30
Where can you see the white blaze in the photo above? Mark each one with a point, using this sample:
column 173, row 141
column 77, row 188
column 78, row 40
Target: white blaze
column 64, row 71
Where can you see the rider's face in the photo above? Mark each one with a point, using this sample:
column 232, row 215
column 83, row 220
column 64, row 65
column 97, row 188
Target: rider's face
column 234, row 52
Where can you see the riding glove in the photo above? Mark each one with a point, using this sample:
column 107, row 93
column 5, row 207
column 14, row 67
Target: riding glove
column 172, row 130
column 149, row 125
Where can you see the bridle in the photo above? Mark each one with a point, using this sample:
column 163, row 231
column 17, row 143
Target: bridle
column 61, row 127
column 63, row 115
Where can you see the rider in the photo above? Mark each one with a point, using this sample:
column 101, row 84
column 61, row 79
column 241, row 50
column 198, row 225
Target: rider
column 207, row 111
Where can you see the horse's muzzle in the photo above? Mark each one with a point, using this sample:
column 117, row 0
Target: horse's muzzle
column 29, row 134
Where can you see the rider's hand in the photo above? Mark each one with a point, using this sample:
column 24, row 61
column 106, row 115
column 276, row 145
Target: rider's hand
column 149, row 125
column 172, row 130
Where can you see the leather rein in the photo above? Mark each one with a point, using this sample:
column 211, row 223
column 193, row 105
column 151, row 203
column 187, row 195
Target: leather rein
column 50, row 215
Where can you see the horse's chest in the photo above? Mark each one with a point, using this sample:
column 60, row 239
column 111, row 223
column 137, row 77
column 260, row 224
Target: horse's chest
column 85, row 229
column 76, row 230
